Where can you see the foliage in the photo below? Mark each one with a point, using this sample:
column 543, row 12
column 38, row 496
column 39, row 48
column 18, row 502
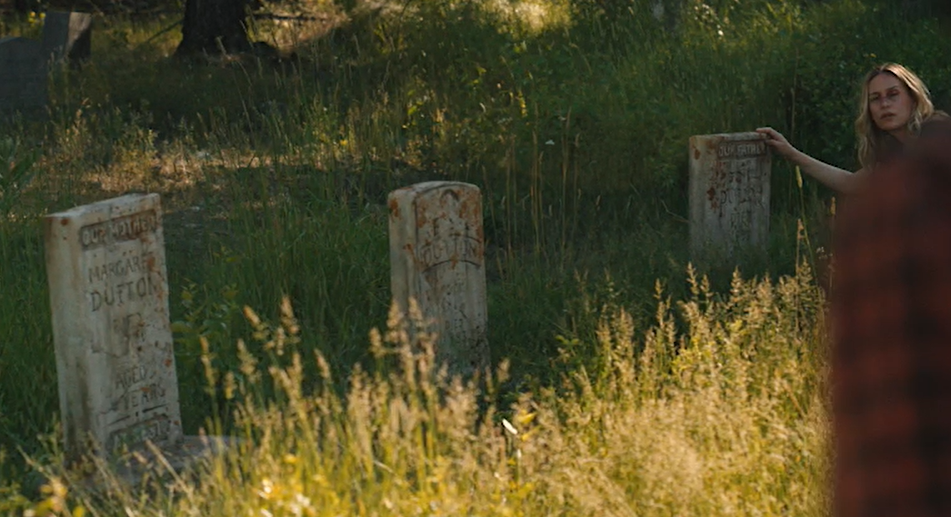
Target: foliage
column 572, row 117
column 15, row 172
column 724, row 418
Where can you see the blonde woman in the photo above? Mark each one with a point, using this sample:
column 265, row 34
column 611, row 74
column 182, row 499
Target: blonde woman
column 893, row 105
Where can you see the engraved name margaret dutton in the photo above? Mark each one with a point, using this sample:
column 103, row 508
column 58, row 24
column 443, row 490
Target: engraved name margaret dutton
column 120, row 229
column 122, row 293
column 127, row 265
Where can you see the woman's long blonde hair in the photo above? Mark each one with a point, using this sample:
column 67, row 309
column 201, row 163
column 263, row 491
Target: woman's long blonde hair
column 872, row 141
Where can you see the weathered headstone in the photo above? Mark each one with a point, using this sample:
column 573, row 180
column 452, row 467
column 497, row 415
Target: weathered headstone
column 729, row 195
column 22, row 75
column 67, row 36
column 667, row 12
column 116, row 368
column 437, row 259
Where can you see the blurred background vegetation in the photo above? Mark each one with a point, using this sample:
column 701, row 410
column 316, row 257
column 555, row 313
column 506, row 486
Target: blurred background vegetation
column 572, row 116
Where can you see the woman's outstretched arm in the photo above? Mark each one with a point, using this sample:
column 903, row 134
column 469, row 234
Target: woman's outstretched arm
column 839, row 180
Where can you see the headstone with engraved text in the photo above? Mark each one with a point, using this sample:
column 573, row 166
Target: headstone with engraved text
column 729, row 195
column 22, row 75
column 109, row 294
column 437, row 259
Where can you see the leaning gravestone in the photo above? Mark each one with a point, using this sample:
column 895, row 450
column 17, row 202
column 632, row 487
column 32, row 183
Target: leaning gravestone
column 22, row 75
column 437, row 259
column 667, row 12
column 106, row 269
column 729, row 195
column 67, row 36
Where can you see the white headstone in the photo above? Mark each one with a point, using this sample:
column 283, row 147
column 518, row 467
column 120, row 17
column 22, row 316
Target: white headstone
column 729, row 194
column 22, row 74
column 667, row 12
column 67, row 36
column 437, row 259
column 116, row 369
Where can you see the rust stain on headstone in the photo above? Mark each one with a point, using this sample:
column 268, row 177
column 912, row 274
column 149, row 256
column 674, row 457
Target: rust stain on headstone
column 729, row 193
column 437, row 259
column 110, row 324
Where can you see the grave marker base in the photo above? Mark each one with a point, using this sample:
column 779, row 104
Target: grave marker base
column 132, row 468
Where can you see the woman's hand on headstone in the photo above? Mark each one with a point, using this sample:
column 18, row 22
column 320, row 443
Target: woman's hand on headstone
column 777, row 142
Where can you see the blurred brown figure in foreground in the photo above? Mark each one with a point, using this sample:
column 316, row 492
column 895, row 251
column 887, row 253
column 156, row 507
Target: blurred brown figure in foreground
column 891, row 322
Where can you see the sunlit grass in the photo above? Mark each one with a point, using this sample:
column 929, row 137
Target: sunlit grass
column 725, row 417
column 573, row 121
column 534, row 15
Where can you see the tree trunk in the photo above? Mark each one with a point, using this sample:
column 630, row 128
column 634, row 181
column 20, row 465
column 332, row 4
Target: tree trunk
column 214, row 27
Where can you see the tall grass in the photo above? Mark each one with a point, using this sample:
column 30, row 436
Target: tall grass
column 572, row 117
column 724, row 417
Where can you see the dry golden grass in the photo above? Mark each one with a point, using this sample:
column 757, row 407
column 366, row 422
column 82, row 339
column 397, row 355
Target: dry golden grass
column 718, row 411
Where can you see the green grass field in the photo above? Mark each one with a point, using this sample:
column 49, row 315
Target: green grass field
column 628, row 384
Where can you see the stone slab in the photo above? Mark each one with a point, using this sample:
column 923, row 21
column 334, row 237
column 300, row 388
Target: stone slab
column 132, row 469
column 109, row 294
column 437, row 258
column 729, row 195
column 67, row 36
column 22, row 75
